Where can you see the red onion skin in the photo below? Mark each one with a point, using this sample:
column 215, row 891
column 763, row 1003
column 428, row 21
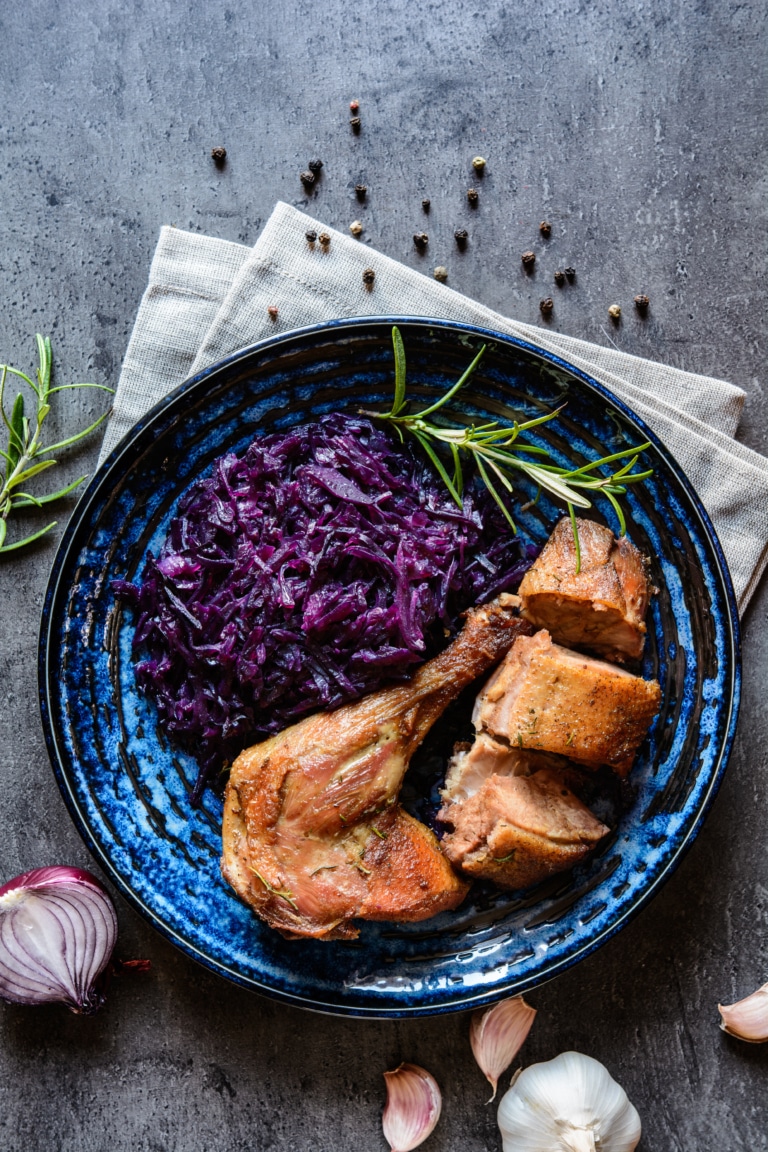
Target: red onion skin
column 23, row 979
column 53, row 874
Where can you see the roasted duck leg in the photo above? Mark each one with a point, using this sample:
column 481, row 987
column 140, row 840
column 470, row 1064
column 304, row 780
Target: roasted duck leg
column 313, row 836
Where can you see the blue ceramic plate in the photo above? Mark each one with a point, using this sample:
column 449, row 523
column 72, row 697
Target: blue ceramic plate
column 127, row 788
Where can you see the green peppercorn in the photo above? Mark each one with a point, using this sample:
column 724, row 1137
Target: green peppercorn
column 441, row 273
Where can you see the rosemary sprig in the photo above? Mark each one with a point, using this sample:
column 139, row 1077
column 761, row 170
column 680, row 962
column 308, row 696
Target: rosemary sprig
column 21, row 461
column 283, row 893
column 500, row 456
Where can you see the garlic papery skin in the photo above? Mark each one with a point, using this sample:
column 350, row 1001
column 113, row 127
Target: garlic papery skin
column 569, row 1104
column 412, row 1109
column 747, row 1019
column 498, row 1034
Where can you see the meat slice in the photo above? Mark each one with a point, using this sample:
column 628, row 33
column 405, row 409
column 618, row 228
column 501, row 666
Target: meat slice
column 603, row 607
column 472, row 764
column 545, row 697
column 313, row 836
column 518, row 830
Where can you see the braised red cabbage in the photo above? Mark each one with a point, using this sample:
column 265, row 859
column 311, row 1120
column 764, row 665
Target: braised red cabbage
column 322, row 563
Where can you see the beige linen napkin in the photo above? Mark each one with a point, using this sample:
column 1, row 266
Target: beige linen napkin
column 206, row 298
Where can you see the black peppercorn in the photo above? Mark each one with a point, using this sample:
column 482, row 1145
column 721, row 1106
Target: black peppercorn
column 311, row 235
column 641, row 303
column 559, row 278
column 461, row 236
column 354, row 123
column 546, row 305
column 307, row 178
column 420, row 239
column 545, row 228
column 528, row 259
column 570, row 274
column 361, row 191
column 324, row 239
column 218, row 155
column 272, row 311
column 368, row 277
column 425, row 204
column 472, row 196
column 315, row 166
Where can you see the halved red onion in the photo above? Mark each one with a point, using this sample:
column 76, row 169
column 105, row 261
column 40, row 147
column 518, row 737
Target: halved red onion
column 58, row 929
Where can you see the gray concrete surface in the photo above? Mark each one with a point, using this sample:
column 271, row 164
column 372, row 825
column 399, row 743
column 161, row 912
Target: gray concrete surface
column 636, row 130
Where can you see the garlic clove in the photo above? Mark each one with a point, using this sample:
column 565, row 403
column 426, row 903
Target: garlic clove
column 570, row 1103
column 498, row 1034
column 412, row 1109
column 748, row 1018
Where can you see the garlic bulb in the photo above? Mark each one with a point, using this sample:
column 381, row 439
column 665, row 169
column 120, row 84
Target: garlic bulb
column 412, row 1109
column 569, row 1104
column 747, row 1018
column 498, row 1034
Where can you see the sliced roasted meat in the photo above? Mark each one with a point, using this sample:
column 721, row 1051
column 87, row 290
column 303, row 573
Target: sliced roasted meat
column 313, row 835
column 603, row 607
column 518, row 830
column 545, row 697
column 472, row 764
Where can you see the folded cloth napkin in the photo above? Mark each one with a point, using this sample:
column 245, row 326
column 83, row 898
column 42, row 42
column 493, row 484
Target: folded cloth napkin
column 206, row 298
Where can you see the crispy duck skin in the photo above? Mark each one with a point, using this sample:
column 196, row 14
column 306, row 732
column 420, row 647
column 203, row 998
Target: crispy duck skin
column 547, row 698
column 518, row 830
column 603, row 607
column 313, row 836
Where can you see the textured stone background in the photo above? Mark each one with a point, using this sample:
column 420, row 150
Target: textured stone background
column 636, row 129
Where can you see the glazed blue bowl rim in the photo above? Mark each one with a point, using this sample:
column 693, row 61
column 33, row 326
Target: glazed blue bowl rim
column 101, row 477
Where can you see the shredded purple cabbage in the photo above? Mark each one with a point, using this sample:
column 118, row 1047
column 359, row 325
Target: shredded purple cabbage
column 319, row 565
